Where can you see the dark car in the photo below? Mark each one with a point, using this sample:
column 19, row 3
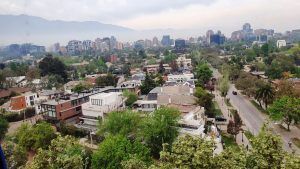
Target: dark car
column 220, row 118
column 234, row 92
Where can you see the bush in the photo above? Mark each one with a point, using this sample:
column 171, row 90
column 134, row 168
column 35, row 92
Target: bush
column 14, row 117
column 65, row 129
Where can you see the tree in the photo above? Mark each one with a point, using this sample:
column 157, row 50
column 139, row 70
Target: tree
column 265, row 49
column 232, row 128
column 148, row 84
column 108, row 80
column 203, row 73
column 160, row 80
column 131, row 97
column 32, row 73
column 266, row 151
column 286, row 109
column 224, row 85
column 174, row 66
column 134, row 163
column 64, row 152
column 161, row 68
column 120, row 122
column 266, row 94
column 15, row 155
column 81, row 87
column 53, row 66
column 116, row 149
column 159, row 128
column 204, row 98
column 3, row 127
column 286, row 88
column 35, row 137
column 188, row 152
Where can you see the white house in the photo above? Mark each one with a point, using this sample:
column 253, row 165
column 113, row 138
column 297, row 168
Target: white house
column 99, row 105
column 18, row 81
column 182, row 61
column 280, row 43
column 181, row 77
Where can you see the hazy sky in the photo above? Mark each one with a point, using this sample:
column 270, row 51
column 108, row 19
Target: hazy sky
column 226, row 15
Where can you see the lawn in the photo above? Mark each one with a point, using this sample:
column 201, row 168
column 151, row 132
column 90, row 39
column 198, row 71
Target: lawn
column 258, row 107
column 229, row 140
column 217, row 110
column 296, row 141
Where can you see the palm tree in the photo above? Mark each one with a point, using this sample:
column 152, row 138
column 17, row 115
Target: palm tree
column 266, row 94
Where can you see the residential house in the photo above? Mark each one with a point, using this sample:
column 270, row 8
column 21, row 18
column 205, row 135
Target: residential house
column 98, row 107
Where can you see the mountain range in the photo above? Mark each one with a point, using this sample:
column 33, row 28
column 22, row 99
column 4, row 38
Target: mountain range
column 24, row 28
column 40, row 31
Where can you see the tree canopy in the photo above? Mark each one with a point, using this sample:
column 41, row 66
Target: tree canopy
column 53, row 66
column 203, row 73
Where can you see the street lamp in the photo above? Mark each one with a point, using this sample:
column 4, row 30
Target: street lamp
column 242, row 135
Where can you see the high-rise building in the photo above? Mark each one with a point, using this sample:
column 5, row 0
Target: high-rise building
column 87, row 45
column 74, row 47
column 208, row 34
column 217, row 39
column 56, row 48
column 113, row 43
column 155, row 42
column 179, row 43
column 247, row 28
column 166, row 40
column 148, row 43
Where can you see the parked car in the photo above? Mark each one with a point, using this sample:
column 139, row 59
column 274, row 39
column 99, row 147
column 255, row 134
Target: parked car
column 220, row 118
column 234, row 92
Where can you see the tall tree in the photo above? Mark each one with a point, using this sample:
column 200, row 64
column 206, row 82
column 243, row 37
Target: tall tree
column 53, row 66
column 108, row 80
column 204, row 98
column 122, row 122
column 116, row 149
column 203, row 73
column 131, row 97
column 3, row 127
column 148, row 84
column 159, row 128
column 266, row 94
column 224, row 85
column 286, row 109
column 64, row 152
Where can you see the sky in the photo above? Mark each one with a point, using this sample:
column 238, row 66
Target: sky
column 224, row 15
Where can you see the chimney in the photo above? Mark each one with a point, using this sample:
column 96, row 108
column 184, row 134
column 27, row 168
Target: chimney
column 170, row 100
column 191, row 91
column 161, row 89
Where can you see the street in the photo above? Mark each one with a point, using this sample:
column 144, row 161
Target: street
column 254, row 119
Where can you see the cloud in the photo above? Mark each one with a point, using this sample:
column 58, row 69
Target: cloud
column 102, row 10
column 225, row 15
column 200, row 15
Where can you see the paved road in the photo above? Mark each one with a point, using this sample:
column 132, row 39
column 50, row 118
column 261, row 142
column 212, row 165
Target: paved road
column 254, row 119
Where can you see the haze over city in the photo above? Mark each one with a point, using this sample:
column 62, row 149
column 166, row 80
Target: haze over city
column 188, row 17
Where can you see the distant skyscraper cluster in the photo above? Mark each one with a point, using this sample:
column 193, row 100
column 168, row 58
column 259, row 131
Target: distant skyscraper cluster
column 76, row 47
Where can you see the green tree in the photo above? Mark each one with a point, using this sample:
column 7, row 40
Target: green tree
column 120, row 122
column 15, row 155
column 108, row 80
column 148, row 84
column 203, row 73
column 53, row 66
column 286, row 109
column 188, row 152
column 35, row 137
column 159, row 128
column 3, row 127
column 116, row 149
column 265, row 49
column 266, row 151
column 266, row 94
column 224, row 85
column 81, row 87
column 131, row 97
column 160, row 80
column 204, row 98
column 64, row 152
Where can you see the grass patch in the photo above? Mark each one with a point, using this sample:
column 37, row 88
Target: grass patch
column 217, row 110
column 227, row 102
column 229, row 140
column 258, row 107
column 296, row 141
column 248, row 134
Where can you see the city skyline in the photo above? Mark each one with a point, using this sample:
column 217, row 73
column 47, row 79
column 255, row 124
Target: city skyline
column 225, row 15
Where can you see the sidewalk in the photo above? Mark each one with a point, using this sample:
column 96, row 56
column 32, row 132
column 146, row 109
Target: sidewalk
column 241, row 139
